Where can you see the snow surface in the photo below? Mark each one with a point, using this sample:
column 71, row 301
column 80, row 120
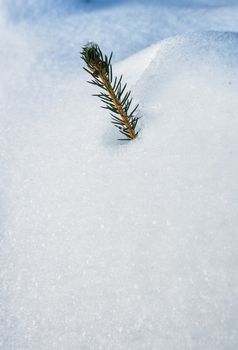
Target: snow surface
column 107, row 245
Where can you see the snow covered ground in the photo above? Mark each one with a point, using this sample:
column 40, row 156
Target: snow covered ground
column 107, row 245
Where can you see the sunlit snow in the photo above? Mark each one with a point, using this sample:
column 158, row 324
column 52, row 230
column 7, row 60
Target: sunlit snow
column 111, row 245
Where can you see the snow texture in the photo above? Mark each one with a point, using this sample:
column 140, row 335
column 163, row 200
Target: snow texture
column 109, row 245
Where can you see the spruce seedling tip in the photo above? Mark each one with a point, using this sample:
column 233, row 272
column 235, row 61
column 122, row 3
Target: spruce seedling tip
column 114, row 96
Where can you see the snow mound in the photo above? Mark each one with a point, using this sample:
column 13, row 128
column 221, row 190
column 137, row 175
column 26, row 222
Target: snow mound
column 124, row 246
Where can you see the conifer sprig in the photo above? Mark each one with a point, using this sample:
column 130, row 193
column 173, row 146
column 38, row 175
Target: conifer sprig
column 114, row 95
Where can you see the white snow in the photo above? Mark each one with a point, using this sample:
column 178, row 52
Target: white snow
column 109, row 245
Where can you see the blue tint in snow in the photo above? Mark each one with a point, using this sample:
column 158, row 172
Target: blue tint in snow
column 110, row 246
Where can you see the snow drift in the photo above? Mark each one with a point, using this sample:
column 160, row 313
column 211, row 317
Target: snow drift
column 133, row 246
